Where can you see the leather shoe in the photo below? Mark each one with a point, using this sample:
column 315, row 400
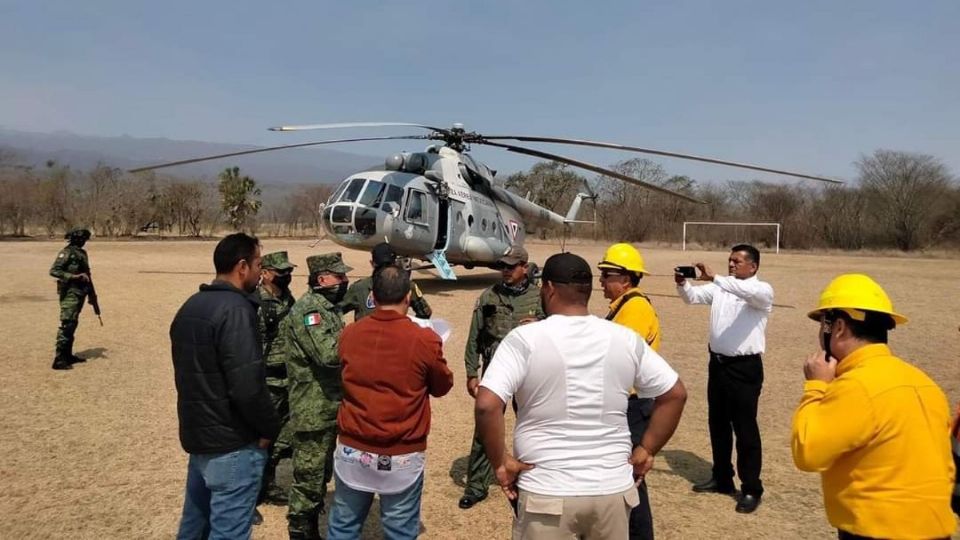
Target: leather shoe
column 748, row 503
column 467, row 501
column 712, row 486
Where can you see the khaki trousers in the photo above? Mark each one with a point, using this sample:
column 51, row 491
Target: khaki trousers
column 544, row 517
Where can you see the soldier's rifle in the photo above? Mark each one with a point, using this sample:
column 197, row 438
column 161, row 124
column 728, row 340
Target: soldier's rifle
column 92, row 298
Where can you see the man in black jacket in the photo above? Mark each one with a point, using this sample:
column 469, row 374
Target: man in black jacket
column 226, row 417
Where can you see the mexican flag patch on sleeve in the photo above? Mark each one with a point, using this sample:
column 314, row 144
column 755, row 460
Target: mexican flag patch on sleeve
column 312, row 319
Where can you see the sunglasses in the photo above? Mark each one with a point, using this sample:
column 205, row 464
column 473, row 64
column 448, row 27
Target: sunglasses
column 604, row 274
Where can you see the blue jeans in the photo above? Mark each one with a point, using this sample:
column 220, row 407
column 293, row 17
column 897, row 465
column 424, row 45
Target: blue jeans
column 399, row 512
column 221, row 494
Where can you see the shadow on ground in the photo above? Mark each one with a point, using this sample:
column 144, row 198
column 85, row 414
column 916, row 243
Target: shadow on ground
column 687, row 465
column 96, row 352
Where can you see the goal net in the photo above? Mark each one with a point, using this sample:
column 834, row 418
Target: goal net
column 729, row 233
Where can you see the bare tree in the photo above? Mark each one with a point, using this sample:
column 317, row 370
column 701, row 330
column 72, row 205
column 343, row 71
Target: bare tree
column 626, row 208
column 904, row 191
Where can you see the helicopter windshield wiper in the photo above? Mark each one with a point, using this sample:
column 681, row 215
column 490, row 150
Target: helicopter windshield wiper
column 613, row 146
column 590, row 167
column 272, row 148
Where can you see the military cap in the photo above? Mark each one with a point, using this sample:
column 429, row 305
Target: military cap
column 277, row 261
column 327, row 262
column 77, row 232
column 566, row 268
column 514, row 256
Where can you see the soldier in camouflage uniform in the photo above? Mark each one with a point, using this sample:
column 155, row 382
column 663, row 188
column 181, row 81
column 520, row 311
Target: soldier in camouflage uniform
column 311, row 330
column 275, row 303
column 500, row 309
column 72, row 270
column 359, row 298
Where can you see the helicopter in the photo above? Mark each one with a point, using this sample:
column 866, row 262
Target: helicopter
column 443, row 207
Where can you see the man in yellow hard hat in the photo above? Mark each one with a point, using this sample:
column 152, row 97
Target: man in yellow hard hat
column 875, row 427
column 620, row 273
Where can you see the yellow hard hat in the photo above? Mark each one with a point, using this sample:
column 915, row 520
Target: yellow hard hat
column 622, row 257
column 855, row 293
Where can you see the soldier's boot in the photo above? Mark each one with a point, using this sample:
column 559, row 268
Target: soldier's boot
column 304, row 528
column 65, row 337
column 62, row 359
column 60, row 362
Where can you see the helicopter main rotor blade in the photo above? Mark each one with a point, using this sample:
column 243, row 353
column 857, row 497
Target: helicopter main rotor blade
column 306, row 127
column 271, row 149
column 690, row 157
column 591, row 167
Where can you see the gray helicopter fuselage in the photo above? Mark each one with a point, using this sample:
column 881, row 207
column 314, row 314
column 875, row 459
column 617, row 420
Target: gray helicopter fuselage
column 439, row 200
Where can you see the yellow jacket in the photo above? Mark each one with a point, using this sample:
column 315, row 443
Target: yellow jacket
column 638, row 315
column 879, row 434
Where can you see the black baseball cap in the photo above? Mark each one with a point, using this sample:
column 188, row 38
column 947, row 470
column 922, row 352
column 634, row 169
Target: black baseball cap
column 566, row 268
column 383, row 255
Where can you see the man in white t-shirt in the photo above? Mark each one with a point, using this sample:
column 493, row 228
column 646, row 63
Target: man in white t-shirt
column 574, row 473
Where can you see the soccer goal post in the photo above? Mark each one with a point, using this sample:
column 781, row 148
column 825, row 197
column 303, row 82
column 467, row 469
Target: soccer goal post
column 727, row 223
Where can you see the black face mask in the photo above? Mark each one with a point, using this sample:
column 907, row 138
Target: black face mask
column 282, row 280
column 78, row 243
column 333, row 294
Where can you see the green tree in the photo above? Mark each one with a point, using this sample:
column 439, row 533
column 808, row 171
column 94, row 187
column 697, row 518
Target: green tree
column 238, row 195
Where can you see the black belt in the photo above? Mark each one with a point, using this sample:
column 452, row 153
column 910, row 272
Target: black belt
column 724, row 359
column 277, row 371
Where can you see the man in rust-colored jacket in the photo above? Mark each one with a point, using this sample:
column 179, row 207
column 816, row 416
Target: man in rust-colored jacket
column 391, row 367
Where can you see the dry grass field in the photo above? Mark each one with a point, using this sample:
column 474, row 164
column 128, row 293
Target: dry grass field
column 93, row 452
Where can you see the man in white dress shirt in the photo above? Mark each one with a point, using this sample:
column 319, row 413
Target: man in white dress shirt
column 571, row 375
column 739, row 306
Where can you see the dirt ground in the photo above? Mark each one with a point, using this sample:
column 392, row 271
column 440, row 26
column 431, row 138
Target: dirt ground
column 93, row 452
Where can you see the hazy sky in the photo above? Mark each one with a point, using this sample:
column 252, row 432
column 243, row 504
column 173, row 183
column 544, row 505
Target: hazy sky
column 805, row 85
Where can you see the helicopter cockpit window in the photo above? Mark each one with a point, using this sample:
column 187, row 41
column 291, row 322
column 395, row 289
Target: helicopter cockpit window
column 394, row 194
column 417, row 207
column 353, row 190
column 372, row 195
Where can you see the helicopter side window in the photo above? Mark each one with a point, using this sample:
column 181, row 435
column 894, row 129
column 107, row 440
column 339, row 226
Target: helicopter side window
column 393, row 194
column 372, row 195
column 353, row 190
column 416, row 207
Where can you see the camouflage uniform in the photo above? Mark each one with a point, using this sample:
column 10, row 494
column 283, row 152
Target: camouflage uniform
column 499, row 310
column 359, row 300
column 69, row 264
column 273, row 310
column 312, row 330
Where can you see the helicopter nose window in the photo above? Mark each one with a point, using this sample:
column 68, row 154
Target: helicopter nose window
column 353, row 190
column 372, row 195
